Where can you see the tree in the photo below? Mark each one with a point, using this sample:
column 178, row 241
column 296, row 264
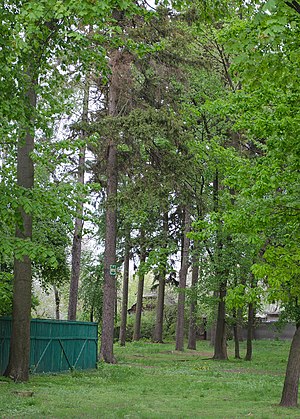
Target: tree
column 264, row 47
column 53, row 236
column 91, row 287
column 162, row 272
column 20, row 337
column 78, row 227
column 37, row 44
column 182, row 279
column 192, row 337
column 122, row 336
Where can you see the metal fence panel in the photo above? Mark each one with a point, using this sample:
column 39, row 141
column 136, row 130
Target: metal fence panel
column 55, row 345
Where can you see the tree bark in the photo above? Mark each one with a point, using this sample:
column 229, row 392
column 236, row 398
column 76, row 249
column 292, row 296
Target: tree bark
column 182, row 282
column 140, row 293
column 289, row 396
column 192, row 339
column 57, row 302
column 159, row 323
column 77, row 237
column 18, row 365
column 214, row 323
column 250, row 323
column 236, row 336
column 220, row 346
column 122, row 336
column 109, row 287
column 220, row 352
column 250, row 326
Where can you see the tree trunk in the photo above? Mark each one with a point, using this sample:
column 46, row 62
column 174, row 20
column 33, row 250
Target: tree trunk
column 122, row 336
column 240, row 325
column 18, row 365
column 57, row 302
column 192, row 339
column 77, row 237
column 140, row 293
column 289, row 396
column 109, row 287
column 159, row 323
column 220, row 346
column 220, row 337
column 250, row 326
column 214, row 323
column 236, row 336
column 182, row 282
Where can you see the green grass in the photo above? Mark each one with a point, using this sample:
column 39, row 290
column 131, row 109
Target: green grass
column 154, row 381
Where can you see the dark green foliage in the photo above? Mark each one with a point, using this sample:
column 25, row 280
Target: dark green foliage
column 147, row 326
column 53, row 236
column 91, row 288
column 6, row 291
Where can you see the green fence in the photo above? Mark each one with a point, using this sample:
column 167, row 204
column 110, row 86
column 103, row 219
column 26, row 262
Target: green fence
column 55, row 345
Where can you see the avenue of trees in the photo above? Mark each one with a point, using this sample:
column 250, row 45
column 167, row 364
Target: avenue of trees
column 171, row 134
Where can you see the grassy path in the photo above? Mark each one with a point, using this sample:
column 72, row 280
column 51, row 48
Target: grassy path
column 154, row 381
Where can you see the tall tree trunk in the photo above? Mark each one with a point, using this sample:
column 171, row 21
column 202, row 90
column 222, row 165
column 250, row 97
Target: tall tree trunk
column 289, row 396
column 220, row 346
column 250, row 323
column 140, row 293
column 57, row 302
column 159, row 323
column 109, row 287
column 236, row 336
column 250, row 326
column 182, row 282
column 122, row 336
column 214, row 323
column 18, row 365
column 220, row 352
column 240, row 325
column 77, row 237
column 192, row 339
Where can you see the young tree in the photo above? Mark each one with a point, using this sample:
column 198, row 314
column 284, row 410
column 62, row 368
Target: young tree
column 122, row 336
column 192, row 337
column 158, row 331
column 140, row 292
column 182, row 279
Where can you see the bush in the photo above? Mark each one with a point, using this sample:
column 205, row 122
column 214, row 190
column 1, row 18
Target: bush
column 147, row 325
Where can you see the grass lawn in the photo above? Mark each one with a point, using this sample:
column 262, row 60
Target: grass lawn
column 154, row 381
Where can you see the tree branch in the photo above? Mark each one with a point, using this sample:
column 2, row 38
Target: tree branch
column 294, row 5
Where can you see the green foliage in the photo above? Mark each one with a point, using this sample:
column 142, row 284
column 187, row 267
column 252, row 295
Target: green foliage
column 6, row 292
column 53, row 236
column 263, row 171
column 147, row 326
column 91, row 287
